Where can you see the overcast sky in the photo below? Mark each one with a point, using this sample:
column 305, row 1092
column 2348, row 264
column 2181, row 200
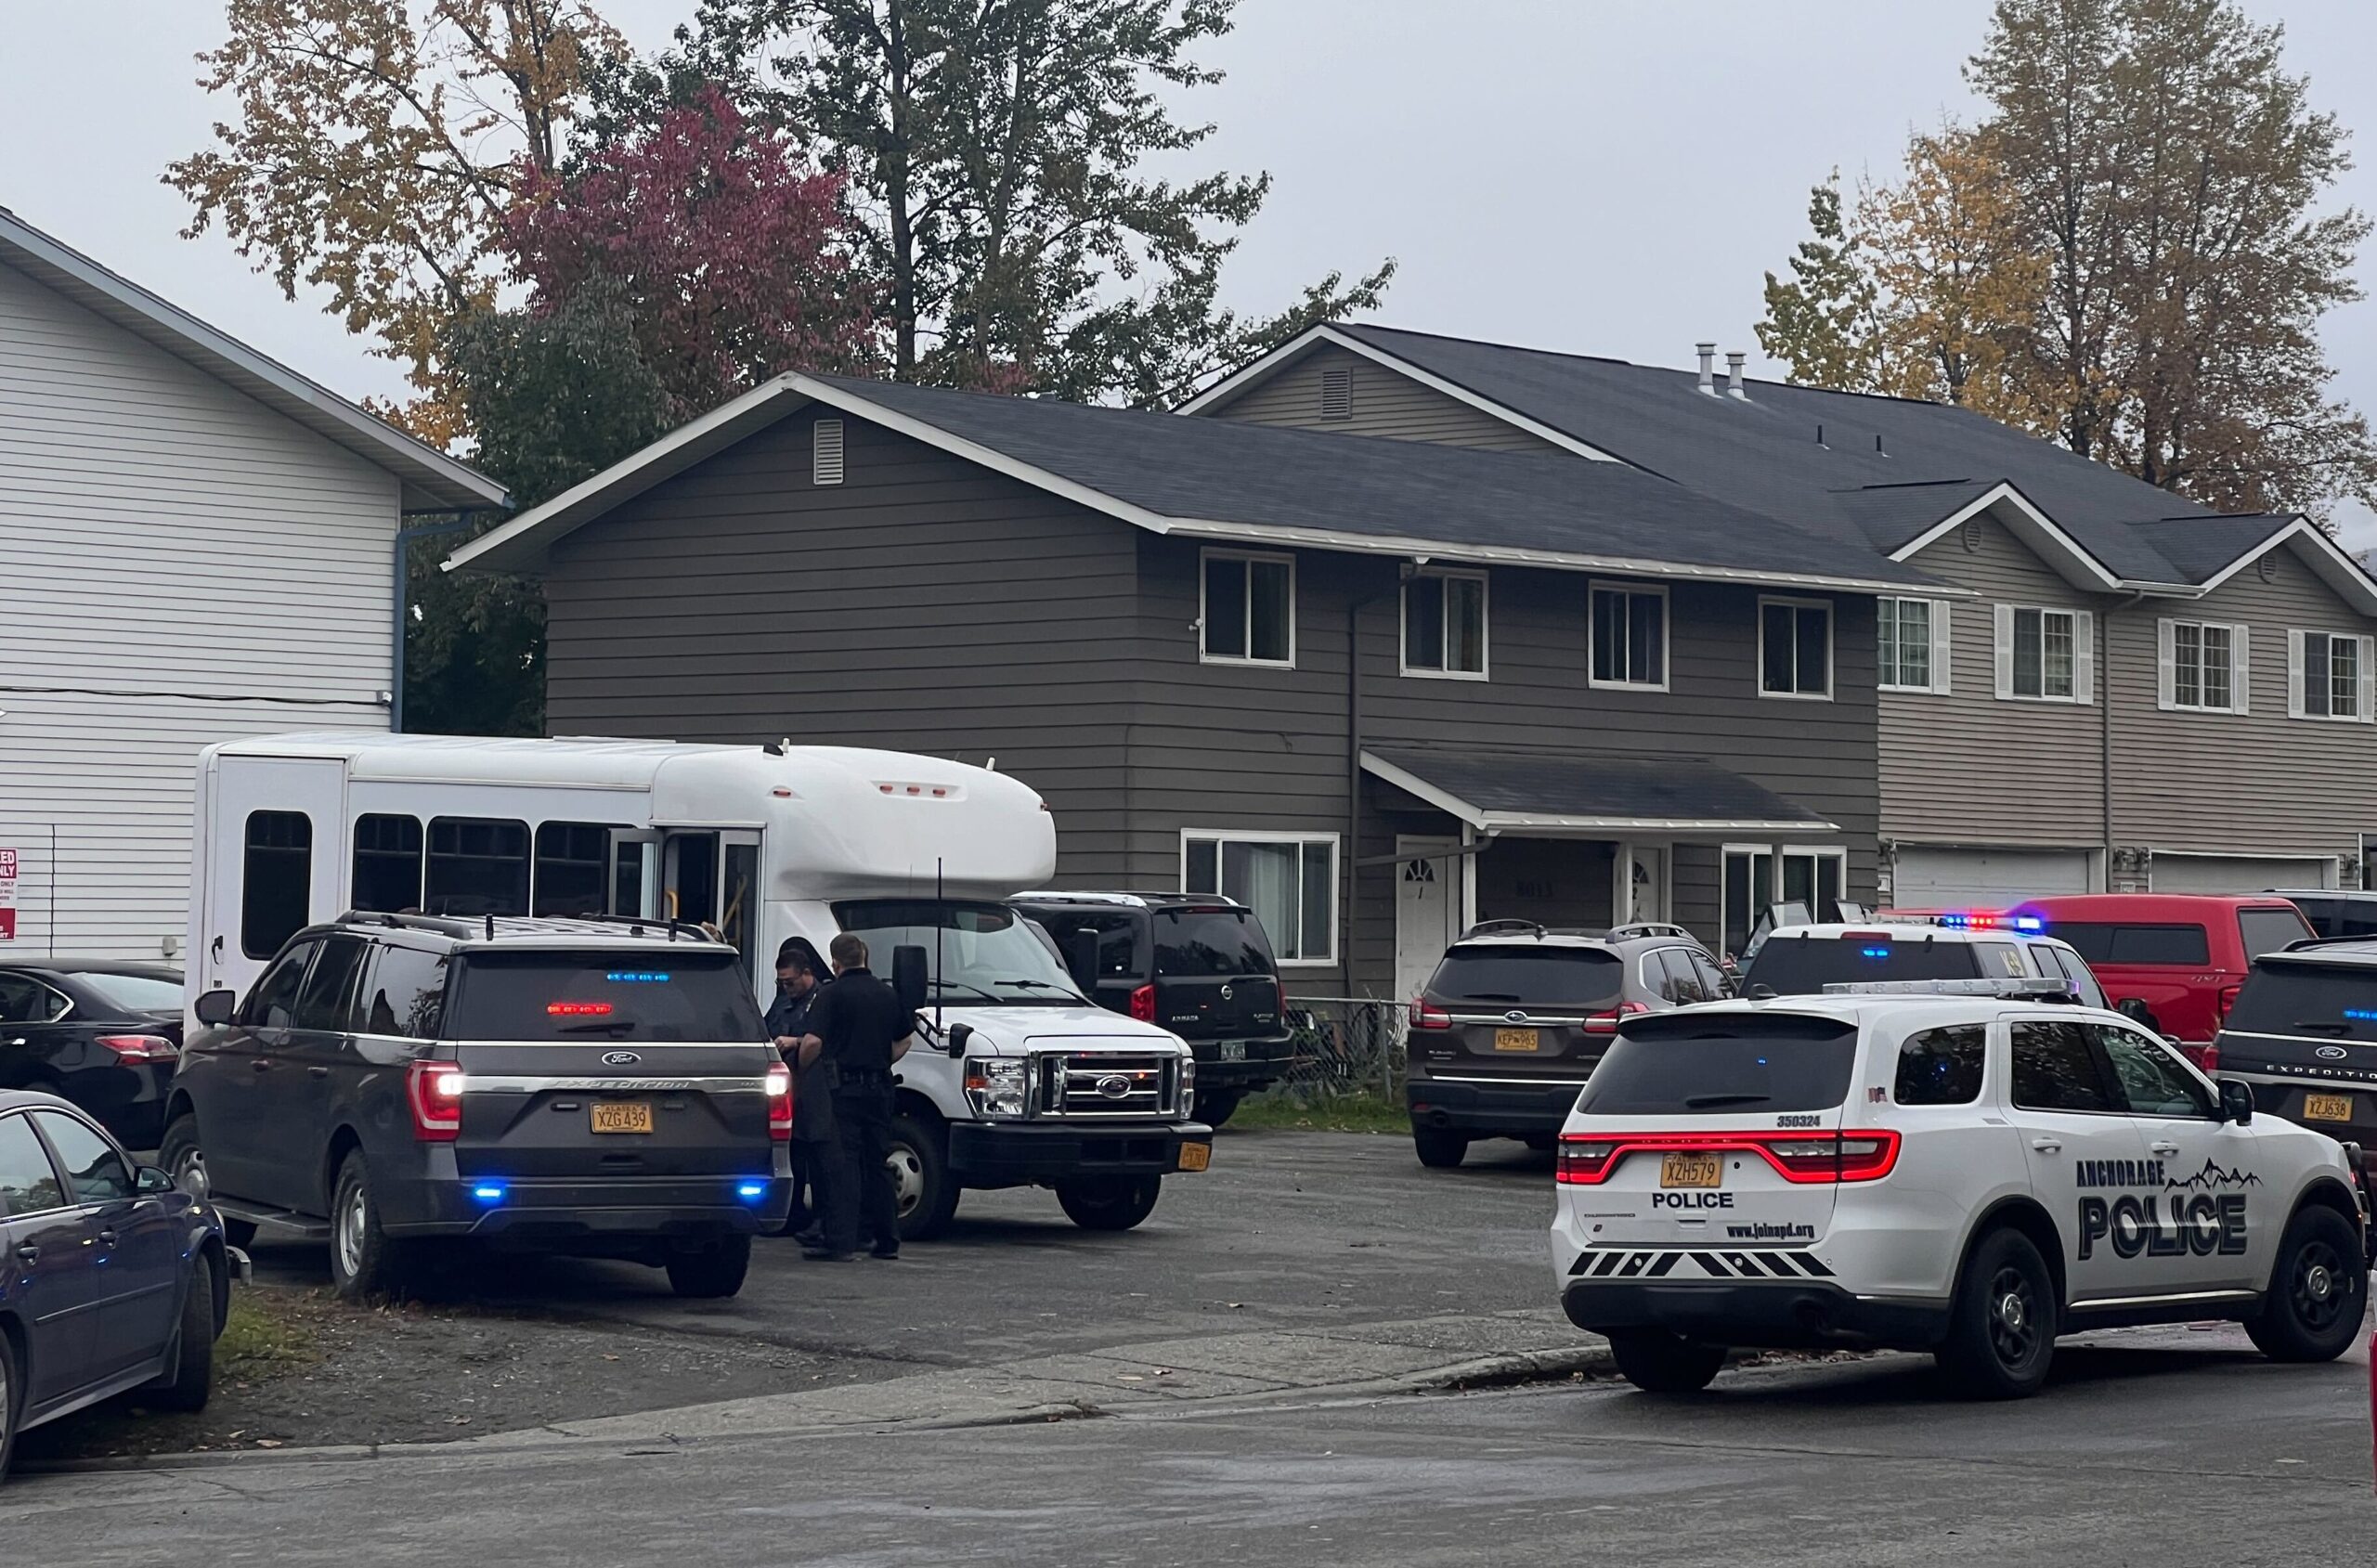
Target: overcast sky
column 1603, row 176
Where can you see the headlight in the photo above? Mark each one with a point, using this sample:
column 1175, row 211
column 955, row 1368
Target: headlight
column 1187, row 1081
column 998, row 1085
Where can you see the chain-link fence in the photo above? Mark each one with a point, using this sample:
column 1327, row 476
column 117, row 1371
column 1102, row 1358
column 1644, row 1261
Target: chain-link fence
column 1345, row 1046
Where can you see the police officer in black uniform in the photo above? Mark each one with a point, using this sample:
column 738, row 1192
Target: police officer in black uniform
column 800, row 979
column 858, row 1029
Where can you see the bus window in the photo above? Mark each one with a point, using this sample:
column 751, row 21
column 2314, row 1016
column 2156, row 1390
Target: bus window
column 569, row 868
column 740, row 920
column 387, row 864
column 477, row 865
column 277, row 873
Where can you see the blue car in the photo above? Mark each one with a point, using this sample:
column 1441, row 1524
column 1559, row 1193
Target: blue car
column 112, row 1278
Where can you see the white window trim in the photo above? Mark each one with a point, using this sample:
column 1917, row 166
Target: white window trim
column 1666, row 635
column 1204, row 559
column 1942, row 650
column 1277, row 835
column 2298, row 692
column 1484, row 628
column 2084, row 655
column 2240, row 668
column 1831, row 650
column 1776, row 852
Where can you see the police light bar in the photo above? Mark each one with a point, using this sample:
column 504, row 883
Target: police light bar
column 2010, row 989
column 2030, row 923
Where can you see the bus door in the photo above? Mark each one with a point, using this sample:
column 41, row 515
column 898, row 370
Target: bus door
column 703, row 876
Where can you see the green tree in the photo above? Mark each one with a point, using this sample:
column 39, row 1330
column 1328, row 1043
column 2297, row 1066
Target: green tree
column 994, row 152
column 1820, row 324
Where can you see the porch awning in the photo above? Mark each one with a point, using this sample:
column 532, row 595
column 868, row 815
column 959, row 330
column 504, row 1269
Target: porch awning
column 1520, row 792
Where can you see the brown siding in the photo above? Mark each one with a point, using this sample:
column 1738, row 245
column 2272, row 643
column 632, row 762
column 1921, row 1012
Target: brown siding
column 1384, row 403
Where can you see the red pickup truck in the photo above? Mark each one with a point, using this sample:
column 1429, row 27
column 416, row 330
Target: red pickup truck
column 2182, row 956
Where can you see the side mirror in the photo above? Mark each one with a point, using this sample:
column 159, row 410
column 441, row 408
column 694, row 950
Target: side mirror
column 1081, row 958
column 150, row 1181
column 958, row 1035
column 2135, row 1010
column 911, row 976
column 2237, row 1102
column 215, row 1007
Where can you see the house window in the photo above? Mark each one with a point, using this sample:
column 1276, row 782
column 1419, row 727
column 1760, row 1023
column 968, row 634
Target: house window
column 1760, row 876
column 1794, row 648
column 1249, row 614
column 2045, row 655
column 2328, row 676
column 2204, row 667
column 1629, row 637
column 1444, row 624
column 1289, row 880
column 1913, row 638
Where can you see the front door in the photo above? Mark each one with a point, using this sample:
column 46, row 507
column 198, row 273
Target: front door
column 273, row 861
column 2213, row 1225
column 48, row 1269
column 2087, row 1163
column 1427, row 908
column 135, row 1256
column 1646, row 883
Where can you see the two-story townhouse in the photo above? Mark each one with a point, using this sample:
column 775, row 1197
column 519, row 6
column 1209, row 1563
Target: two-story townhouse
column 1376, row 689
column 2127, row 692
column 196, row 544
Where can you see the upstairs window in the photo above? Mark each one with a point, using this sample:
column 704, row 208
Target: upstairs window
column 2329, row 675
column 1912, row 639
column 1629, row 637
column 1249, row 612
column 1444, row 624
column 2205, row 667
column 1795, row 648
column 2046, row 656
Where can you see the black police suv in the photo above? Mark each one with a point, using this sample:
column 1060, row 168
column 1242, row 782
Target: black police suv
column 394, row 1084
column 112, row 1278
column 1196, row 964
column 103, row 1033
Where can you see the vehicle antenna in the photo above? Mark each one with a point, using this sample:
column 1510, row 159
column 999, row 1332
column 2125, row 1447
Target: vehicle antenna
column 937, row 914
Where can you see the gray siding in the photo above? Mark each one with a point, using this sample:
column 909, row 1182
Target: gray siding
column 1384, row 402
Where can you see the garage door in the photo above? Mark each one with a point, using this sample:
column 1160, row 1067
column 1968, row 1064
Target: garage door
column 1986, row 879
column 2236, row 873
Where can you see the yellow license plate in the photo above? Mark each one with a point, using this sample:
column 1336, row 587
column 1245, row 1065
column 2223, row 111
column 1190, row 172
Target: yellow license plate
column 1691, row 1169
column 1196, row 1157
column 2327, row 1108
column 621, row 1116
column 1518, row 1039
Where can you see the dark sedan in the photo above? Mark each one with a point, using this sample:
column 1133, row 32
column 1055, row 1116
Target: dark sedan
column 112, row 1278
column 103, row 1033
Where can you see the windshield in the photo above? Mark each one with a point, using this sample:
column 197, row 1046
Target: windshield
column 1209, row 941
column 1583, row 976
column 1675, row 1064
column 1804, row 965
column 134, row 994
column 982, row 952
column 649, row 993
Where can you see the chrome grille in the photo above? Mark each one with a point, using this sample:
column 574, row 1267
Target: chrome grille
column 1103, row 1085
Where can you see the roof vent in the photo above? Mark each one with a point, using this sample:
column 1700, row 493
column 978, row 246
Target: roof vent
column 1337, row 393
column 1878, row 445
column 1734, row 387
column 826, row 452
column 1707, row 352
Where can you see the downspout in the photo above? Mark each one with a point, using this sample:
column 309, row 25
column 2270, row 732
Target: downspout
column 405, row 536
column 2105, row 724
column 1354, row 609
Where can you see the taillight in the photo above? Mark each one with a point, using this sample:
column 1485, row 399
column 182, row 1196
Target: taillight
column 1426, row 1014
column 780, row 1103
column 1867, row 1155
column 434, row 1091
column 139, row 1047
column 1606, row 1023
column 1583, row 1162
column 2205, row 1057
column 2228, row 995
column 1143, row 1004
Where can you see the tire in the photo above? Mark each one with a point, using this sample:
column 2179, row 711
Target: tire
column 183, row 1157
column 2002, row 1324
column 1108, row 1202
column 365, row 1260
column 12, row 1399
column 923, row 1188
column 1217, row 1106
column 2318, row 1290
column 713, row 1272
column 190, row 1379
column 1658, row 1362
column 1439, row 1148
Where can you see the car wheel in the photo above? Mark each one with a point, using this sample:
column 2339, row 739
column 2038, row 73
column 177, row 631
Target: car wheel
column 922, row 1188
column 1658, row 1362
column 2319, row 1288
column 1217, row 1105
column 2002, row 1324
column 12, row 1399
column 1439, row 1148
column 185, row 1160
column 365, row 1260
column 1108, row 1202
column 191, row 1378
column 713, row 1272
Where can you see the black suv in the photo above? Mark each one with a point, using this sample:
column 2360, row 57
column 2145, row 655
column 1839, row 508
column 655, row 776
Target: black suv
column 396, row 1082
column 1516, row 1017
column 2302, row 1031
column 1196, row 964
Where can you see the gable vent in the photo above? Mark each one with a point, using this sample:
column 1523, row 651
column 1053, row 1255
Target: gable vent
column 1337, row 393
column 826, row 452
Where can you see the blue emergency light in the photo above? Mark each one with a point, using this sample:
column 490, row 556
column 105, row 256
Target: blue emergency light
column 488, row 1192
column 752, row 1191
column 637, row 976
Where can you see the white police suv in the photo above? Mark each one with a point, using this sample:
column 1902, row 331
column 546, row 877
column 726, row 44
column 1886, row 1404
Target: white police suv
column 1960, row 1166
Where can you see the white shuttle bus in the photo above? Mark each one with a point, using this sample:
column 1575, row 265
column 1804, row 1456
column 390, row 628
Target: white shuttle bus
column 1015, row 1081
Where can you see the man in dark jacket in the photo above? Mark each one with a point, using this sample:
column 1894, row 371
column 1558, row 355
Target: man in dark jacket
column 858, row 1029
column 800, row 975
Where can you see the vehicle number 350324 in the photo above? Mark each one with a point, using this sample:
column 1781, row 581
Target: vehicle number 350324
column 1807, row 1118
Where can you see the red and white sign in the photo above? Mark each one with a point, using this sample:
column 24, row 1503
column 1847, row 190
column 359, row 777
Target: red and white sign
column 8, row 895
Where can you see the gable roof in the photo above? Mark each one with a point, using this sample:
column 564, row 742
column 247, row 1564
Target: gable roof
column 1851, row 466
column 1256, row 484
column 431, row 480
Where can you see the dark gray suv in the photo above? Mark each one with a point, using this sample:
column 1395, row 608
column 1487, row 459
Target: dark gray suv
column 587, row 1086
column 1512, row 1021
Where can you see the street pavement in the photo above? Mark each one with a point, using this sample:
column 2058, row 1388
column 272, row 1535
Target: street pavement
column 2171, row 1448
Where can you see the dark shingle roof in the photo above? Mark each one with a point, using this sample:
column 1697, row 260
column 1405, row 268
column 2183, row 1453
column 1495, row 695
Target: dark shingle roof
column 1218, row 471
column 2201, row 547
column 1595, row 788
